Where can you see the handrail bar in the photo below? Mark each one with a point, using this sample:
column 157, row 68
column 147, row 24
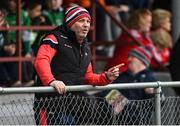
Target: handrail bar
column 4, row 90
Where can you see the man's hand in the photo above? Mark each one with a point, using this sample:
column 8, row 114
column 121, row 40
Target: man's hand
column 113, row 72
column 59, row 86
column 149, row 90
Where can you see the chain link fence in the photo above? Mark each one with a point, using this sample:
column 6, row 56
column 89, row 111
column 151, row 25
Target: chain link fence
column 81, row 110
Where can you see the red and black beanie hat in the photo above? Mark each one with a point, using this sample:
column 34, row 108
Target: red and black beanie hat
column 75, row 13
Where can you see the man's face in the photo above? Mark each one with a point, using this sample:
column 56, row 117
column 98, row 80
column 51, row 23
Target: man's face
column 81, row 28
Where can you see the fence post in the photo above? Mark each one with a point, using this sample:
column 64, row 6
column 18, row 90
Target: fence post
column 157, row 104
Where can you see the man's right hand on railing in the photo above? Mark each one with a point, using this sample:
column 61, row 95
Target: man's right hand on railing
column 59, row 86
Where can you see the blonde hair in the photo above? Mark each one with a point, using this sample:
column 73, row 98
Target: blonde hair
column 136, row 19
column 162, row 38
column 158, row 16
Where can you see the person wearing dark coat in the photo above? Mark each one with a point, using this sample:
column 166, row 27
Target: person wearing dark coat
column 133, row 112
column 174, row 66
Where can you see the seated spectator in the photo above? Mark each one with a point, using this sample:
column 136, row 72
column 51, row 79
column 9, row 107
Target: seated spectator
column 8, row 76
column 139, row 25
column 54, row 12
column 163, row 42
column 7, row 49
column 34, row 9
column 161, row 26
column 130, row 113
column 139, row 60
column 161, row 19
column 27, row 68
column 3, row 23
column 25, row 21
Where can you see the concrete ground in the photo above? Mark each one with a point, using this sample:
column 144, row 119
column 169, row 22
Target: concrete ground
column 16, row 109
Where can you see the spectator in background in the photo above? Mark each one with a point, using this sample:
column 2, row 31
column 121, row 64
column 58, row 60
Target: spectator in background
column 161, row 19
column 130, row 113
column 27, row 69
column 34, row 9
column 7, row 49
column 139, row 60
column 3, row 23
column 160, row 35
column 139, row 25
column 163, row 43
column 25, row 21
column 54, row 12
column 64, row 58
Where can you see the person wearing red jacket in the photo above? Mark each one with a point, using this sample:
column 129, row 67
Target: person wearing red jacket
column 139, row 25
column 160, row 35
column 64, row 58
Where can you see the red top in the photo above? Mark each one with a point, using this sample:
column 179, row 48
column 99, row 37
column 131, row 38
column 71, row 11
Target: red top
column 125, row 44
column 43, row 69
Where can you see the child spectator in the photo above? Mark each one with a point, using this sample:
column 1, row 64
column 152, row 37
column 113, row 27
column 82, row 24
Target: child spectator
column 34, row 9
column 130, row 113
column 54, row 11
column 163, row 42
column 27, row 69
column 7, row 49
column 161, row 26
column 25, row 21
column 138, row 63
column 139, row 59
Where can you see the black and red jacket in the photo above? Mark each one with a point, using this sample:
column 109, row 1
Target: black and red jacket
column 61, row 57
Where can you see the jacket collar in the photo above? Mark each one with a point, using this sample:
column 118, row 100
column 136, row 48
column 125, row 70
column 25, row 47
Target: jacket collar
column 71, row 34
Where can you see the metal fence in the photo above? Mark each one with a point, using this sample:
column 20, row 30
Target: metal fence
column 73, row 108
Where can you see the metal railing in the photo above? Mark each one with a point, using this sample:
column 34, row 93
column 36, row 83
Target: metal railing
column 156, row 85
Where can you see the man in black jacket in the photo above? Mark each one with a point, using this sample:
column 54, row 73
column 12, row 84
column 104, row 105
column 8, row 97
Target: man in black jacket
column 64, row 58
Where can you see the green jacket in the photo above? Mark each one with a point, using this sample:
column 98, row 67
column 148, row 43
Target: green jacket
column 26, row 35
column 56, row 17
